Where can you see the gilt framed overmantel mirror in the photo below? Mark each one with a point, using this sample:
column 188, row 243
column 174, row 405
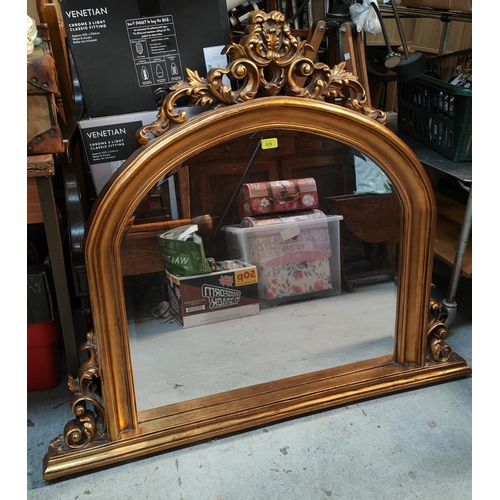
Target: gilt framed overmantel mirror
column 368, row 328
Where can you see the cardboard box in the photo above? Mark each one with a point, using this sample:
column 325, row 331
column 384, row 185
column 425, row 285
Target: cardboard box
column 124, row 49
column 455, row 5
column 218, row 296
column 110, row 140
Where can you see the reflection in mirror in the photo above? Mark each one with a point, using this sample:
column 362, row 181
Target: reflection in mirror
column 348, row 312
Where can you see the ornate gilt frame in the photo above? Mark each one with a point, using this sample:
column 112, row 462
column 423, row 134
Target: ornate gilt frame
column 108, row 428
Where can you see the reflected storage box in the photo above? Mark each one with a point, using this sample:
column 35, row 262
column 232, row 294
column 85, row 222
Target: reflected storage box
column 258, row 198
column 228, row 293
column 297, row 256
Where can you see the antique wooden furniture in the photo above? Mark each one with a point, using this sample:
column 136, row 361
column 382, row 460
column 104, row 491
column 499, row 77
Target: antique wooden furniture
column 109, row 427
column 371, row 219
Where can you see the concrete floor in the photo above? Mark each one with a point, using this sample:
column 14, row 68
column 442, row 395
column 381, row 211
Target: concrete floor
column 414, row 444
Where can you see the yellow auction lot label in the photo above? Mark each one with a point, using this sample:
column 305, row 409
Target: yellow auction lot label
column 270, row 143
column 172, row 278
column 245, row 277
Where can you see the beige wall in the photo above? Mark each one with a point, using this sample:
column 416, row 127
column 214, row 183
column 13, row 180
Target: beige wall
column 32, row 10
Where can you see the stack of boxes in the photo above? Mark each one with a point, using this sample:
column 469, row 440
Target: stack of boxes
column 294, row 246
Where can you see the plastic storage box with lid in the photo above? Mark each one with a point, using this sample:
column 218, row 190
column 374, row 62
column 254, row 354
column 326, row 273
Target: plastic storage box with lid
column 437, row 113
column 297, row 256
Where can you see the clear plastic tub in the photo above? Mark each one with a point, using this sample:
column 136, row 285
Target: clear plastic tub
column 295, row 259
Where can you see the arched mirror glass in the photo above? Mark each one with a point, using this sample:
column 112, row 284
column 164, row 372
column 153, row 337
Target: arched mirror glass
column 313, row 313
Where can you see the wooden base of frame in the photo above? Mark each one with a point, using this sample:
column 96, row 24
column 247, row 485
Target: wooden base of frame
column 256, row 406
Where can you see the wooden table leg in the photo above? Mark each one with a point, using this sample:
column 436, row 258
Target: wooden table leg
column 53, row 235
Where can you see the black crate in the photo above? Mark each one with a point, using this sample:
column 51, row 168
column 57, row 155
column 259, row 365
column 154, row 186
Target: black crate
column 437, row 113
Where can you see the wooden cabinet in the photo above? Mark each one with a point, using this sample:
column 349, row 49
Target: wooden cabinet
column 426, row 30
column 427, row 36
column 449, row 224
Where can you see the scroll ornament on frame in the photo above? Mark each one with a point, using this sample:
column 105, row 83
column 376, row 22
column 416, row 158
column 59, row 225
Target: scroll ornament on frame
column 438, row 349
column 89, row 427
column 268, row 61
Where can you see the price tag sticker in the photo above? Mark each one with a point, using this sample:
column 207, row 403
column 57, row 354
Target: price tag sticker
column 245, row 276
column 290, row 232
column 270, row 143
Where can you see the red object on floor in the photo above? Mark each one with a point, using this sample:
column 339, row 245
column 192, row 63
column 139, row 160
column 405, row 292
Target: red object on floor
column 43, row 355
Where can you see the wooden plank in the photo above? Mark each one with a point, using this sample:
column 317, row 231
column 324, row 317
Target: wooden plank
column 448, row 226
column 40, row 165
column 450, row 209
column 393, row 33
column 184, row 191
column 34, row 209
column 428, row 33
column 355, row 62
column 140, row 254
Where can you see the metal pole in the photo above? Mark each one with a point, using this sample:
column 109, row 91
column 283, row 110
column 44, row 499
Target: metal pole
column 400, row 28
column 449, row 304
column 444, row 34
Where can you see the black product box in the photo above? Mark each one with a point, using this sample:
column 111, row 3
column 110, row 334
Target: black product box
column 109, row 140
column 40, row 294
column 126, row 49
column 217, row 296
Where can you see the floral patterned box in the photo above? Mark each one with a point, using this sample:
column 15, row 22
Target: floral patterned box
column 258, row 198
column 297, row 256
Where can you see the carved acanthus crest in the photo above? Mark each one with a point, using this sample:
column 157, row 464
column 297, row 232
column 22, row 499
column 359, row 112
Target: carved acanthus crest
column 268, row 61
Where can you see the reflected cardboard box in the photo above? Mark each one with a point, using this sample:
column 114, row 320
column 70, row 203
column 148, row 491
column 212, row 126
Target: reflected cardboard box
column 209, row 298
